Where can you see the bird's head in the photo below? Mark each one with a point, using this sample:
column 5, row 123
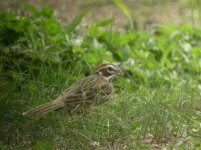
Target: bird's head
column 108, row 71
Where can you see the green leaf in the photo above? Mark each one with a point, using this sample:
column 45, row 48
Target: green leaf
column 51, row 26
column 93, row 29
column 125, row 10
column 104, row 23
column 75, row 22
column 32, row 9
column 47, row 12
column 122, row 7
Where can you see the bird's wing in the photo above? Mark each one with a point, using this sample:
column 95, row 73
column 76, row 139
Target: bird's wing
column 92, row 89
column 97, row 90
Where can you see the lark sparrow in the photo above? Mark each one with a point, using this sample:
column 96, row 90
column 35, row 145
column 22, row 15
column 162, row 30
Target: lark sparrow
column 93, row 89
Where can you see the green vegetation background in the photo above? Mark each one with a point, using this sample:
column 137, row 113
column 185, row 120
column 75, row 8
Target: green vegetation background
column 159, row 95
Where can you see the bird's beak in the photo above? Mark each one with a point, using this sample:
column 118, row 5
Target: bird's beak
column 120, row 72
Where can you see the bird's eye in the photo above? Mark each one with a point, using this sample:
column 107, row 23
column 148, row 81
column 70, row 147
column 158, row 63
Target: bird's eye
column 110, row 69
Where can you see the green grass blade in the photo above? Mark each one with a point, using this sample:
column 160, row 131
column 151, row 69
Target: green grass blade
column 125, row 10
column 76, row 21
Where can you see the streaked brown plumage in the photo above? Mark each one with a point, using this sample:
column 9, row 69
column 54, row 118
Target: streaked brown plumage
column 94, row 89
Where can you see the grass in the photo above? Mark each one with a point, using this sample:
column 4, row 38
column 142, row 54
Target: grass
column 157, row 104
column 132, row 119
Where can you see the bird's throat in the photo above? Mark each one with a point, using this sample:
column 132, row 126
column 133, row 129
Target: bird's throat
column 109, row 78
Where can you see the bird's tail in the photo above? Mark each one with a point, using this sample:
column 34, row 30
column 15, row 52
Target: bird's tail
column 43, row 108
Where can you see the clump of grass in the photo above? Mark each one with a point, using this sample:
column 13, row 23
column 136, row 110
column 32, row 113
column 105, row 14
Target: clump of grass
column 165, row 112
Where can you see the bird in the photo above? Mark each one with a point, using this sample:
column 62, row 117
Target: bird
column 94, row 89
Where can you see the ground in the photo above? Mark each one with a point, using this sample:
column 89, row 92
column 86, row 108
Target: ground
column 144, row 13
